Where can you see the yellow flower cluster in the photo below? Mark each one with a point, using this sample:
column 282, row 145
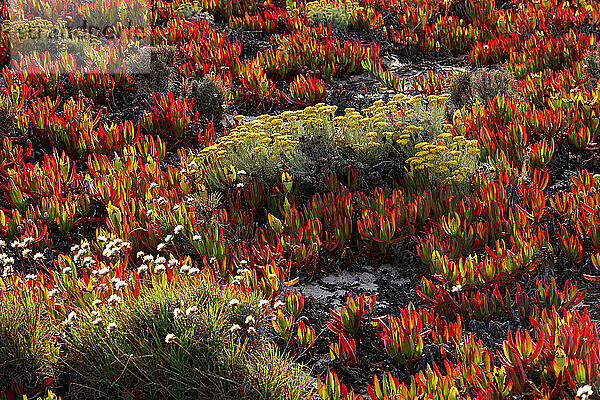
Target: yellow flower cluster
column 382, row 131
column 269, row 142
column 450, row 160
column 381, row 127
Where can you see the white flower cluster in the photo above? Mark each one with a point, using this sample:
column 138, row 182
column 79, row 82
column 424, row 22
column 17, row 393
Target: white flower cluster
column 118, row 283
column 7, row 262
column 70, row 318
column 113, row 247
column 186, row 269
column 83, row 255
column 584, row 392
column 167, row 239
column 158, row 264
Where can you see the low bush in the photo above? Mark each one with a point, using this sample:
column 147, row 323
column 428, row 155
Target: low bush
column 168, row 335
column 301, row 142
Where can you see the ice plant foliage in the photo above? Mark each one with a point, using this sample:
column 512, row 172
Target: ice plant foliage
column 137, row 231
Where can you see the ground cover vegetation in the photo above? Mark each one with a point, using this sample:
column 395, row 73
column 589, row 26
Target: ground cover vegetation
column 163, row 205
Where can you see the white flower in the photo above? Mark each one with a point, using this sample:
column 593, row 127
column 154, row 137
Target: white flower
column 178, row 229
column 191, row 310
column 235, row 328
column 31, row 277
column 74, row 248
column 102, row 238
column 140, row 254
column 67, row 270
column 177, row 312
column 97, row 321
column 111, row 327
column 251, row 330
column 160, row 260
column 148, row 212
column 584, row 392
column 250, row 319
column 71, row 316
column 2, row 243
column 184, row 269
column 38, row 256
column 197, row 238
column 168, row 238
column 456, row 288
column 52, row 292
column 170, row 337
column 142, row 268
column 148, row 258
column 153, row 185
column 240, row 185
column 241, row 172
column 277, row 304
column 26, row 252
column 263, row 303
column 103, row 271
column 193, row 271
column 114, row 299
column 160, row 246
column 234, row 302
column 159, row 269
column 173, row 263
column 120, row 285
column 96, row 302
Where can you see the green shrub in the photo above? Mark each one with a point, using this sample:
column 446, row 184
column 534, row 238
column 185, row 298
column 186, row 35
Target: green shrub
column 304, row 142
column 51, row 37
column 210, row 95
column 460, row 90
column 27, row 346
column 487, row 84
column 152, row 68
column 194, row 11
column 338, row 13
column 466, row 88
column 172, row 342
column 591, row 63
